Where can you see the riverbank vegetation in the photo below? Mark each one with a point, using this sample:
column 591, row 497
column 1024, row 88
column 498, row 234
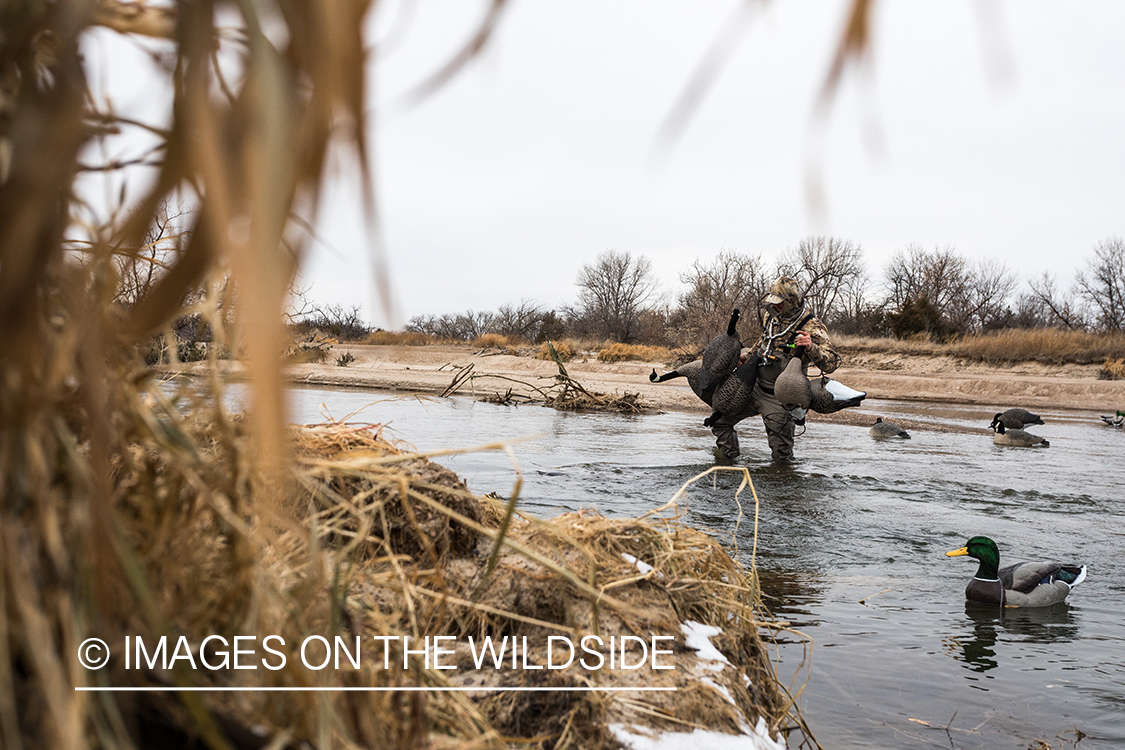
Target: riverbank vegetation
column 933, row 295
column 133, row 509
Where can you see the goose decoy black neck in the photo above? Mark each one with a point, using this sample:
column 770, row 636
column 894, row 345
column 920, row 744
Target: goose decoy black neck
column 731, row 330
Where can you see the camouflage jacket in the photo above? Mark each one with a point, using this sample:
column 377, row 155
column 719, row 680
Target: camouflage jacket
column 820, row 353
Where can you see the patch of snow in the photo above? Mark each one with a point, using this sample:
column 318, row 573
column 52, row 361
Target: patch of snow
column 756, row 739
column 642, row 566
column 697, row 636
column 721, row 688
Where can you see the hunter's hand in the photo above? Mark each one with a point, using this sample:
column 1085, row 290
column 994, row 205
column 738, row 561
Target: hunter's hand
column 803, row 339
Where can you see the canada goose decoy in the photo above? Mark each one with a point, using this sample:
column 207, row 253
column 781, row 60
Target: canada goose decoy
column 720, row 358
column 1017, row 438
column 1027, row 584
column 690, row 371
column 883, row 429
column 792, row 387
column 1016, row 419
column 830, row 396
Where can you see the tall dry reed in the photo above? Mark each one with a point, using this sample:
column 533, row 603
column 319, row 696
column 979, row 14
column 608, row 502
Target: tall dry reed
column 126, row 511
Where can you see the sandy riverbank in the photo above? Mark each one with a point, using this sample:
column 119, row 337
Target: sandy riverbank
column 430, row 369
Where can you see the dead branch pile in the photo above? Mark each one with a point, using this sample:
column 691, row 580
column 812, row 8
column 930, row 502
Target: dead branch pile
column 564, row 393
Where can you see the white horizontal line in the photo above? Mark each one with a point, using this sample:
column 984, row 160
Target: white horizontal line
column 373, row 689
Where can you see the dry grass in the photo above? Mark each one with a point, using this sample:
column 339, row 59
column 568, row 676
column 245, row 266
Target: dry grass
column 567, row 349
column 635, row 352
column 401, row 338
column 1048, row 345
column 1112, row 369
column 492, row 341
column 128, row 512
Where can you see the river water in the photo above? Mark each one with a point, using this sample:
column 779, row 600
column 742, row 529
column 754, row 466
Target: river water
column 856, row 519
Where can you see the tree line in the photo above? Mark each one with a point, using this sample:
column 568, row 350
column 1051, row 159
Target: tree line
column 931, row 291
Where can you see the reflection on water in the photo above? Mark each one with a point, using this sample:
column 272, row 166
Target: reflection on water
column 857, row 519
column 1046, row 625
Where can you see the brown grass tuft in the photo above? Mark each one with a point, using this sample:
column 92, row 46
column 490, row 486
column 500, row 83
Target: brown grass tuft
column 1112, row 369
column 492, row 341
column 635, row 352
column 567, row 349
column 400, row 338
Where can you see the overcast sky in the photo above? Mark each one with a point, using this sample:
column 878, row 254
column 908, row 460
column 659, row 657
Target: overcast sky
column 997, row 128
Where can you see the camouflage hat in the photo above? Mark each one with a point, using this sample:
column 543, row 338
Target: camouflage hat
column 784, row 289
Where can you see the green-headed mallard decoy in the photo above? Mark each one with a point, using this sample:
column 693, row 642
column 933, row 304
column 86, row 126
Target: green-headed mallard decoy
column 1016, row 419
column 1114, row 420
column 1017, row 438
column 883, row 429
column 1025, row 584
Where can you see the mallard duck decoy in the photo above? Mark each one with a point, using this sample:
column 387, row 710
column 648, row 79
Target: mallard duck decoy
column 1016, row 419
column 1114, row 420
column 1026, row 584
column 1017, row 438
column 883, row 429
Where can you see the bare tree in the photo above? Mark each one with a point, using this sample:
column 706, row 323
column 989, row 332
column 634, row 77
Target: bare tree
column 138, row 269
column 989, row 287
column 1101, row 285
column 1055, row 307
column 833, row 271
column 612, row 292
column 462, row 326
column 730, row 280
column 939, row 276
column 519, row 321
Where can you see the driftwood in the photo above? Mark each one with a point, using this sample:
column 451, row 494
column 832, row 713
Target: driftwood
column 565, row 393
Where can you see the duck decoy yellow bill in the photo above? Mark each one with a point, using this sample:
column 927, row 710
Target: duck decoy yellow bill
column 957, row 552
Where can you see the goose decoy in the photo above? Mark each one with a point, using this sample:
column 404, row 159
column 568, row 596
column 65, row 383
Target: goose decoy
column 830, row 396
column 1016, row 419
column 734, row 391
column 883, row 429
column 690, row 371
column 792, row 387
column 1028, row 584
column 720, row 358
column 1016, row 438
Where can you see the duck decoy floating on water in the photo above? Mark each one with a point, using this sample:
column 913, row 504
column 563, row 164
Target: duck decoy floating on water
column 1016, row 419
column 883, row 429
column 1017, row 438
column 1026, row 584
column 1114, row 420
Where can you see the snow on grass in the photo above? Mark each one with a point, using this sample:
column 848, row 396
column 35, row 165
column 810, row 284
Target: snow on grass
column 756, row 739
column 698, row 636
